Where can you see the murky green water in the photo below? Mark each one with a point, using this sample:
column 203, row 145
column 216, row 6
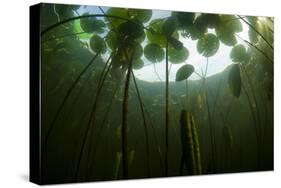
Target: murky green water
column 103, row 119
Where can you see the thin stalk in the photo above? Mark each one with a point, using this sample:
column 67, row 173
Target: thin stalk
column 154, row 67
column 251, row 26
column 259, row 122
column 124, row 120
column 212, row 131
column 167, row 112
column 144, row 123
column 91, row 120
column 255, row 123
column 254, row 46
column 102, row 126
column 69, row 91
column 89, row 16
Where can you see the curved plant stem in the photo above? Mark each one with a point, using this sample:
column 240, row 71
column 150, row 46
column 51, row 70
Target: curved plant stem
column 65, row 99
column 255, row 124
column 91, row 118
column 254, row 46
column 167, row 111
column 101, row 128
column 251, row 26
column 62, row 36
column 258, row 114
column 145, row 125
column 124, row 121
column 89, row 16
column 158, row 76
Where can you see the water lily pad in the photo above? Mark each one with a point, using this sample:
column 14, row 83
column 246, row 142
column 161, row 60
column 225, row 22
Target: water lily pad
column 208, row 45
column 154, row 53
column 131, row 29
column 184, row 72
column 92, row 24
column 185, row 19
column 178, row 56
column 115, row 22
column 97, row 44
column 170, row 26
column 138, row 64
column 157, row 36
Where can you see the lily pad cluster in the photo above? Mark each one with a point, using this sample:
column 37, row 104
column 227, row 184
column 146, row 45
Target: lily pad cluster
column 127, row 29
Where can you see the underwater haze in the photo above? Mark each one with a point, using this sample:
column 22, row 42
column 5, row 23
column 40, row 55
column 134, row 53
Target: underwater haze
column 132, row 93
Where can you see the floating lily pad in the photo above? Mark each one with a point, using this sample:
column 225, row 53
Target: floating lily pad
column 131, row 29
column 97, row 44
column 154, row 53
column 208, row 45
column 92, row 24
column 170, row 26
column 185, row 19
column 138, row 64
column 178, row 56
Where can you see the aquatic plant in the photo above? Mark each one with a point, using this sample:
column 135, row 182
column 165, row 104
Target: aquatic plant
column 123, row 37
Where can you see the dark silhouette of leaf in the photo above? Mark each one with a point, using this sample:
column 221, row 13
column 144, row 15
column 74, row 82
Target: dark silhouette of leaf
column 154, row 53
column 185, row 19
column 208, row 45
column 238, row 54
column 170, row 26
column 178, row 56
column 234, row 80
column 131, row 29
column 184, row 72
column 138, row 64
column 97, row 44
column 198, row 28
column 228, row 26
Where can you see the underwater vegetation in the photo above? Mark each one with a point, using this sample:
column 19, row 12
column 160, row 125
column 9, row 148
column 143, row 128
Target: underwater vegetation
column 100, row 121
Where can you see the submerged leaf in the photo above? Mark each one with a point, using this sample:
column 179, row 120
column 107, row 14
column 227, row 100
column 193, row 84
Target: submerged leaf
column 238, row 53
column 138, row 64
column 97, row 44
column 234, row 80
column 178, row 56
column 208, row 45
column 154, row 53
column 184, row 72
